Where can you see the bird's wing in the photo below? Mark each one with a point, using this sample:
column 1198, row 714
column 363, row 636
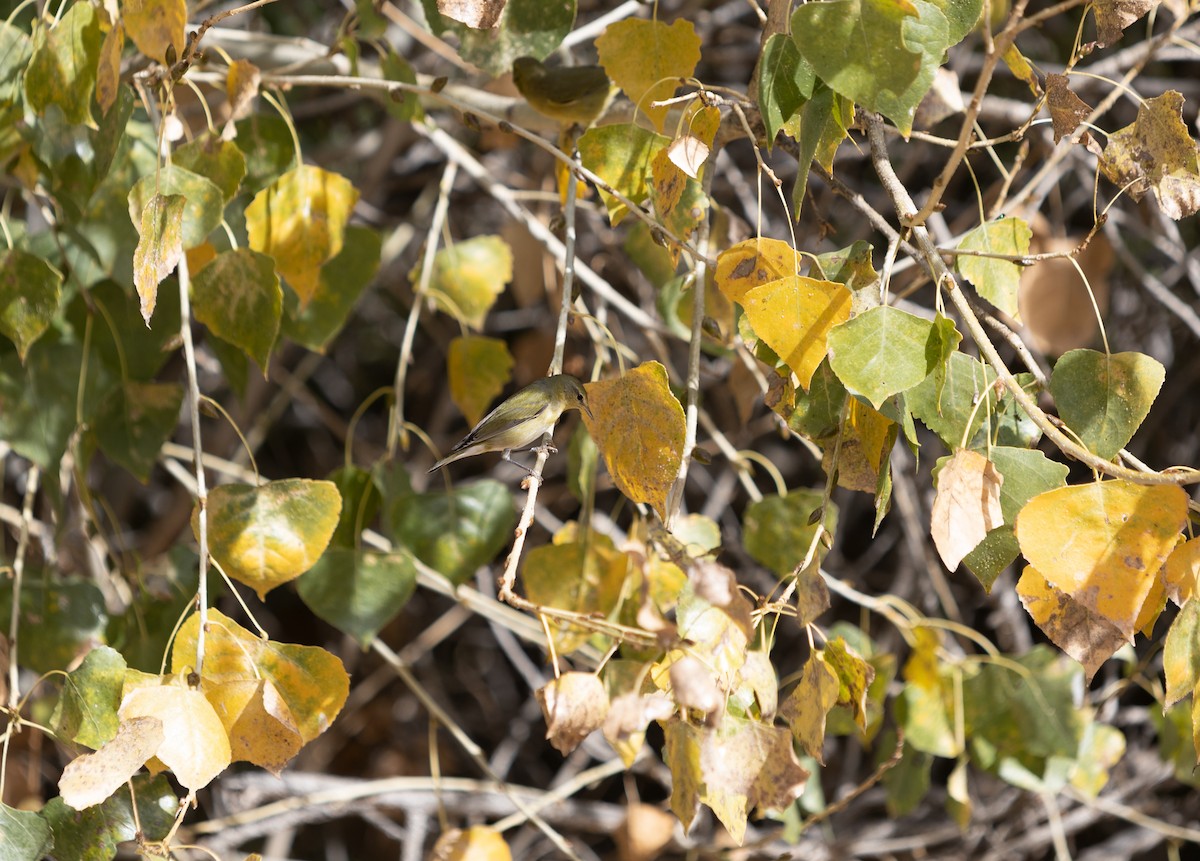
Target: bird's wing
column 531, row 412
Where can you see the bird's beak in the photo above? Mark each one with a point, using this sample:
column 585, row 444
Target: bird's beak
column 584, row 406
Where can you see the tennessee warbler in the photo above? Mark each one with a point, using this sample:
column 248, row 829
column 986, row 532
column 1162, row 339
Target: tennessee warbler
column 521, row 420
column 569, row 94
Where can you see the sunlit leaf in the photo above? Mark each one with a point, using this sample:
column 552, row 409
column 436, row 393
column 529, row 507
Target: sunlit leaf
column 91, row 778
column 468, row 276
column 646, row 59
column 966, row 507
column 1157, row 153
column 1104, row 397
column 638, row 426
column 621, row 155
column 884, row 351
column 807, row 705
column 156, row 27
column 994, row 279
column 194, row 744
column 573, row 705
column 265, row 536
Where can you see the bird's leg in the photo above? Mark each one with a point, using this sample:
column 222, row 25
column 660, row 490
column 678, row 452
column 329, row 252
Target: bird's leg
column 507, row 456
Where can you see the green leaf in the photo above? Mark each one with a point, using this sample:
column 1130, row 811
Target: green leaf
column 885, row 351
column 238, row 297
column 907, row 784
column 26, row 833
column 361, row 499
column 1105, row 397
column 778, row 531
column 621, row 155
column 818, row 127
column 929, row 34
column 93, row 834
column 132, row 424
column 30, row 291
column 218, row 160
column 455, row 532
column 961, row 17
column 996, row 280
column 859, row 48
column 265, row 536
column 785, row 83
column 37, row 401
column 343, row 280
column 817, row 413
column 527, row 28
column 950, row 397
column 358, row 592
column 234, row 363
column 402, row 106
column 15, row 50
column 87, row 710
column 62, row 70
column 202, row 212
column 266, row 142
column 60, row 621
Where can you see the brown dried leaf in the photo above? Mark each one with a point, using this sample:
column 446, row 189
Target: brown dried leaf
column 695, row 686
column 1083, row 634
column 1156, row 152
column 1113, row 16
column 574, row 704
column 476, row 14
column 807, row 706
column 967, row 505
column 1067, row 110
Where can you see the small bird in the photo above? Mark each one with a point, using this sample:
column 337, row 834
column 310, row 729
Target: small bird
column 570, row 94
column 521, row 420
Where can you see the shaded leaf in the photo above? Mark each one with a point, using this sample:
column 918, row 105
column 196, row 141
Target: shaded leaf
column 342, row 281
column 87, row 710
column 238, row 297
column 573, row 705
column 156, row 27
column 30, row 292
column 1156, row 152
column 134, row 422
column 204, row 203
column 621, row 155
column 478, row 368
column 807, row 705
column 785, row 83
column 778, row 530
column 1181, row 654
column 357, row 591
column 1104, row 397
column 62, row 68
column 160, row 245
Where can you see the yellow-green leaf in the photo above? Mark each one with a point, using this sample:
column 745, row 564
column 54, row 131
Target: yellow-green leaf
column 646, row 59
column 1181, row 654
column 300, row 220
column 638, row 426
column 621, row 155
column 30, row 290
column 238, row 297
column 468, row 276
column 807, row 705
column 996, row 280
column 264, row 536
column 478, row 368
column 156, row 26
column 1104, row 397
column 62, row 70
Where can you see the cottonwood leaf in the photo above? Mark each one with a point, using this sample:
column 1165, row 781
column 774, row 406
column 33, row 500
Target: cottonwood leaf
column 1156, row 153
column 854, row 677
column 477, row 843
column 204, row 204
column 1104, row 397
column 621, row 155
column 785, row 82
column 574, row 704
column 476, row 14
column 478, row 368
column 628, row 716
column 265, row 536
column 778, row 530
column 966, row 507
column 638, row 426
column 527, row 28
column 156, row 27
column 1103, row 543
column 135, row 420
column 27, row 833
column 583, row 574
column 647, row 59
column 996, row 280
column 1181, row 654
column 312, row 684
column 91, row 778
column 468, row 276
column 1084, row 634
column 160, row 245
column 62, row 67
column 238, row 297
column 1181, row 571
column 752, row 263
column 1113, row 16
column 806, row 707
column 30, row 293
column 343, row 279
column 219, row 160
column 885, row 351
column 357, row 591
column 87, row 709
column 194, row 743
column 859, row 48
column 300, row 220
column 1067, row 110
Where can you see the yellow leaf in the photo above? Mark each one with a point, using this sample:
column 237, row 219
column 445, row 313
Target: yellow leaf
column 967, row 505
column 646, row 59
column 300, row 220
column 1102, row 544
column 1181, row 572
column 477, row 843
column 1083, row 634
column 195, row 746
column 108, row 70
column 259, row 723
column 867, row 435
column 809, row 703
column 752, row 263
column 639, row 428
column 311, row 683
column 478, row 369
column 667, row 182
column 794, row 315
column 160, row 245
column 91, row 778
column 156, row 25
